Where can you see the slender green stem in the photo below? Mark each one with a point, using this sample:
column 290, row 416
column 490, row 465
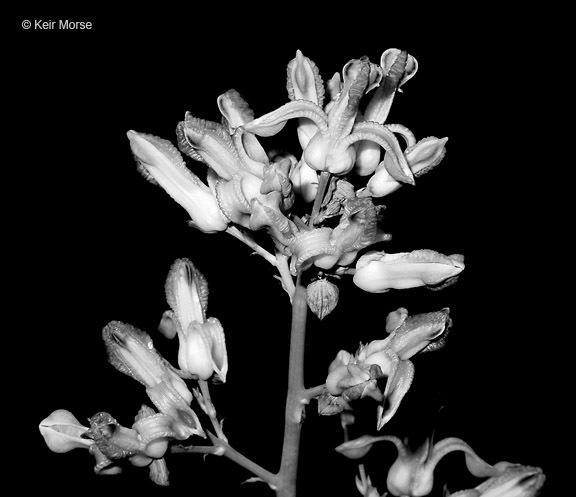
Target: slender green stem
column 313, row 392
column 285, row 276
column 295, row 395
column 194, row 449
column 243, row 461
column 210, row 409
column 248, row 240
column 323, row 182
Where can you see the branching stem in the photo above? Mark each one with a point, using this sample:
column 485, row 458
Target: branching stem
column 248, row 240
column 210, row 409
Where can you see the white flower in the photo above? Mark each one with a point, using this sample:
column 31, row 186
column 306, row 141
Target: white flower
column 161, row 163
column 62, row 432
column 378, row 272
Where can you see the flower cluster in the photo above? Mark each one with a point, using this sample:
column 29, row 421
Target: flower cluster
column 202, row 356
column 315, row 212
column 342, row 130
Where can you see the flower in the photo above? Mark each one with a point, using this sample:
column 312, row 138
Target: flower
column 397, row 68
column 187, row 295
column 378, row 272
column 328, row 134
column 412, row 474
column 62, row 432
column 132, row 352
column 421, row 157
column 202, row 349
column 326, row 247
column 143, row 445
column 244, row 186
column 514, row 481
column 161, row 163
column 356, row 376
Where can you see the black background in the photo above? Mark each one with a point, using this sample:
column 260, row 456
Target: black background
column 91, row 241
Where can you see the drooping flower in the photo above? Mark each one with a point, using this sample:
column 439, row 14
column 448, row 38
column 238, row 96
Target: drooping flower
column 161, row 163
column 378, row 272
column 412, row 474
column 357, row 376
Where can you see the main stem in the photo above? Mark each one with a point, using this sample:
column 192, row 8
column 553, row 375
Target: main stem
column 295, row 397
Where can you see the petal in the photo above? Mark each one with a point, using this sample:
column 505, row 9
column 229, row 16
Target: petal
column 383, row 136
column 393, row 62
column 382, row 183
column 417, row 332
column 186, row 292
column 218, row 350
column 477, row 466
column 424, row 155
column 335, row 376
column 356, row 76
column 194, row 355
column 359, row 447
column 304, row 80
column 132, row 352
column 168, row 401
column 397, row 64
column 213, row 143
column 168, row 324
column 273, row 122
column 234, row 109
column 342, row 359
column 398, row 384
column 515, row 480
column 308, row 245
column 62, row 432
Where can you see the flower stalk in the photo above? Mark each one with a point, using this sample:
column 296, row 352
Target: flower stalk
column 210, row 409
column 295, row 397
